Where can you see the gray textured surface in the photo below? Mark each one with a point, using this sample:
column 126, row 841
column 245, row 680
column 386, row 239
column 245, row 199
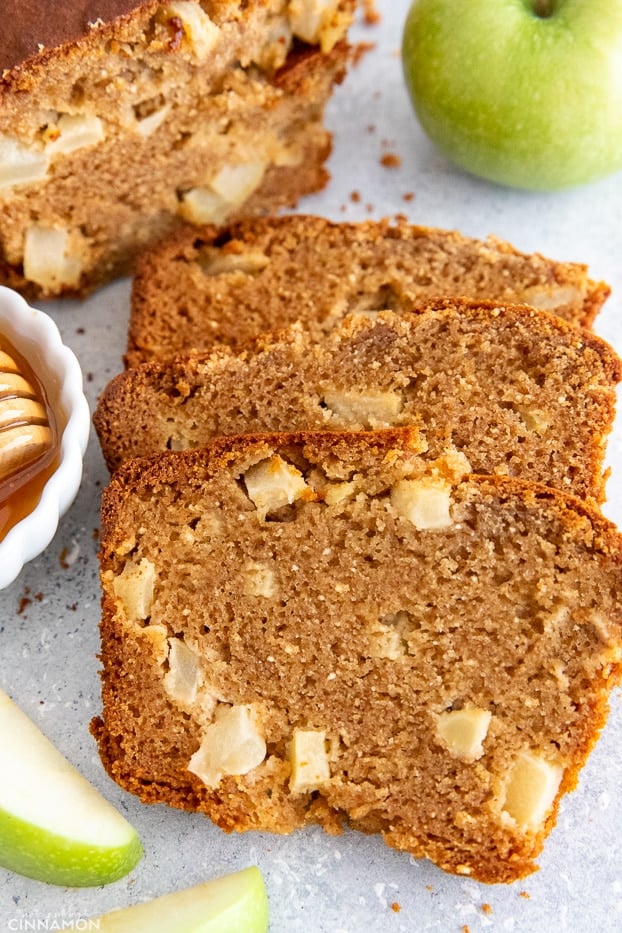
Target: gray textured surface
column 48, row 646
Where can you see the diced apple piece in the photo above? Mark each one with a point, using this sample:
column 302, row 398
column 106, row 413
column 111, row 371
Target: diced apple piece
column 21, row 164
column 227, row 191
column 370, row 409
column 75, row 131
column 535, row 419
column 201, row 32
column 47, row 260
column 309, row 761
column 259, row 580
column 334, row 493
column 317, row 21
column 204, row 206
column 215, row 262
column 231, row 904
column 385, row 642
column 134, row 588
column 424, row 502
column 232, row 745
column 273, row 483
column 147, row 125
column 236, row 183
column 463, row 731
column 530, row 789
column 181, row 681
column 54, row 825
column 552, row 297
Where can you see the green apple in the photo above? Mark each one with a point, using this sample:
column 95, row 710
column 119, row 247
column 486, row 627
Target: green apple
column 235, row 903
column 526, row 93
column 54, row 825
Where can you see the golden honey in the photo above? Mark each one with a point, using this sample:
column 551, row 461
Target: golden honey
column 28, row 438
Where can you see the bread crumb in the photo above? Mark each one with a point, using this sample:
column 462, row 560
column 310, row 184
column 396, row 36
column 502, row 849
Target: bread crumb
column 409, row 196
column 395, row 907
column 361, row 49
column 487, row 909
column 390, row 160
column 23, row 604
column 355, row 197
column 370, row 12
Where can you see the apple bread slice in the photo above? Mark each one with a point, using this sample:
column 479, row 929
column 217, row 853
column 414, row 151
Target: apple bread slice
column 335, row 628
column 518, row 391
column 227, row 285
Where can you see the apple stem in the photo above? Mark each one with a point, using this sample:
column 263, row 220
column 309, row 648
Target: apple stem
column 544, row 8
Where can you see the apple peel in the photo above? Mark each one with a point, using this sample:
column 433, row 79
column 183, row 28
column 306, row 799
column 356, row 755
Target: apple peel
column 54, row 825
column 228, row 904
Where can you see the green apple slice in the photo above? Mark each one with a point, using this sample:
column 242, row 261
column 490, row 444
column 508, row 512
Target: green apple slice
column 235, row 903
column 54, row 825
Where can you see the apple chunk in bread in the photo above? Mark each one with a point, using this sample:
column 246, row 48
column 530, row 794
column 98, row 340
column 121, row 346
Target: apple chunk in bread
column 229, row 904
column 54, row 825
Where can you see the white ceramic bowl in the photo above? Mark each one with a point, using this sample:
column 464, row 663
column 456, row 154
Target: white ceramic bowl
column 36, row 337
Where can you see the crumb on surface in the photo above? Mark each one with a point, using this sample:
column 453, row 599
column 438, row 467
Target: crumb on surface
column 395, row 907
column 371, row 13
column 360, row 49
column 23, row 604
column 390, row 160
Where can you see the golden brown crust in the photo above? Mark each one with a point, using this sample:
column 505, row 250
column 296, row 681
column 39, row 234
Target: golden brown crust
column 35, row 34
column 512, row 610
column 316, row 270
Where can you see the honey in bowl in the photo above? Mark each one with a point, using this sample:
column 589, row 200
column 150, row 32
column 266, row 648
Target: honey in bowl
column 28, row 438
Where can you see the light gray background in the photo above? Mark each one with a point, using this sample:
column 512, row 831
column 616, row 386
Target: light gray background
column 316, row 883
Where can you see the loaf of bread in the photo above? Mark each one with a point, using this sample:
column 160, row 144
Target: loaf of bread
column 518, row 391
column 228, row 285
column 329, row 628
column 120, row 120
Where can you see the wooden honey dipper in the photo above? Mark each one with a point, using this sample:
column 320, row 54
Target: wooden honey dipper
column 25, row 431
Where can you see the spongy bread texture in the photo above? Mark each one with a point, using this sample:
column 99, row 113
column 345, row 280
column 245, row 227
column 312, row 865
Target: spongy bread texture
column 230, row 284
column 170, row 111
column 326, row 628
column 518, row 391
